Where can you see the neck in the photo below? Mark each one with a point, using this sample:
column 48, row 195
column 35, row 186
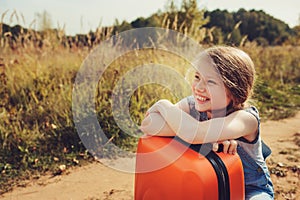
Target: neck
column 216, row 113
column 220, row 112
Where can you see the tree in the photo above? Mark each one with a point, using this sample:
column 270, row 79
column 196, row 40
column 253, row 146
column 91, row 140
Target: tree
column 214, row 35
column 234, row 37
column 188, row 19
column 142, row 22
column 253, row 25
column 258, row 24
column 295, row 39
column 124, row 26
column 222, row 19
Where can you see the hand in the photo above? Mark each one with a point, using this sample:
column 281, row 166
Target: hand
column 229, row 146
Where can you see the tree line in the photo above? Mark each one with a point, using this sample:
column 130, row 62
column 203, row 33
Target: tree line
column 221, row 26
column 210, row 27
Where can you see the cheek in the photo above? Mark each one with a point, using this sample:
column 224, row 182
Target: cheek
column 194, row 85
column 228, row 96
column 229, row 99
column 219, row 95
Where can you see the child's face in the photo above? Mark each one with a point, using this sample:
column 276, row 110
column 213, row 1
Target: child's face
column 209, row 91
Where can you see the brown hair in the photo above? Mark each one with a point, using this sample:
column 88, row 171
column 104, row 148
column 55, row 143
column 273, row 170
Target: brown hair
column 237, row 72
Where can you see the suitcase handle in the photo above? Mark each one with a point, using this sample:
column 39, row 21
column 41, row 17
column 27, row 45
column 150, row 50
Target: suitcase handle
column 220, row 148
column 201, row 148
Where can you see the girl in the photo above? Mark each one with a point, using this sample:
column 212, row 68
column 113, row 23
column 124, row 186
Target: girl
column 217, row 111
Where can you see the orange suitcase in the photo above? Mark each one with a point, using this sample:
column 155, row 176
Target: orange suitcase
column 170, row 169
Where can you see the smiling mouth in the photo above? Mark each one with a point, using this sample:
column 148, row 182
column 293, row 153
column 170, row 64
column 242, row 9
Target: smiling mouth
column 201, row 98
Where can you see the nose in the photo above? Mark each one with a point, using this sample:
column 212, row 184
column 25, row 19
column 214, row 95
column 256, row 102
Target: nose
column 200, row 86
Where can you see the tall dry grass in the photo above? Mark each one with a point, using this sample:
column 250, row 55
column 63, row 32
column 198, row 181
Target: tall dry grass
column 37, row 73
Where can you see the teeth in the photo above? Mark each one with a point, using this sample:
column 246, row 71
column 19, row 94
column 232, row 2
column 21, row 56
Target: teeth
column 201, row 98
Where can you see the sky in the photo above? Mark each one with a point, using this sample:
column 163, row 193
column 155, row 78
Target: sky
column 81, row 16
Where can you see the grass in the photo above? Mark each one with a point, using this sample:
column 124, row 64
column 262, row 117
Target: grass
column 37, row 132
column 278, row 85
column 36, row 125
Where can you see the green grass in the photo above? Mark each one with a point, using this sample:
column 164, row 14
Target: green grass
column 37, row 132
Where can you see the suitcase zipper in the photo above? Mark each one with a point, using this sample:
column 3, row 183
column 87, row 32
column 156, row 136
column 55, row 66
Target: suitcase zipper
column 222, row 174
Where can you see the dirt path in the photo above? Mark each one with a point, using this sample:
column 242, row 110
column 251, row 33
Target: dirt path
column 94, row 181
column 97, row 181
column 284, row 139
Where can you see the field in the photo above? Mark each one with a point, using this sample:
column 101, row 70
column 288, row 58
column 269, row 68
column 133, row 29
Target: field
column 37, row 128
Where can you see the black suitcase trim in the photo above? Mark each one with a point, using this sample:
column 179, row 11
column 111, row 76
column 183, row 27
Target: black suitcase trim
column 222, row 174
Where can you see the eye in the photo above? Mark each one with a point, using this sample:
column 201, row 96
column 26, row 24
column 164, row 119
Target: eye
column 197, row 77
column 211, row 82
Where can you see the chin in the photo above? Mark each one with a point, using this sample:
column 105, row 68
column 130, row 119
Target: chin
column 201, row 108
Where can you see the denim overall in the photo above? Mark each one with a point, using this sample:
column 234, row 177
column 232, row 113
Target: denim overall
column 258, row 184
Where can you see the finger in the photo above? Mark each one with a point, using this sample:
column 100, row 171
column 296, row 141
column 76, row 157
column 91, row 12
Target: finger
column 233, row 147
column 215, row 147
column 226, row 145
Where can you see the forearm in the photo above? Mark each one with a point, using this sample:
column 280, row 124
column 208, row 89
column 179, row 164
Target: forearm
column 218, row 129
column 188, row 128
column 185, row 126
column 237, row 124
column 154, row 124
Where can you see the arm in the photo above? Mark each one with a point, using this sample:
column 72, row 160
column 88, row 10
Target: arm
column 155, row 124
column 235, row 125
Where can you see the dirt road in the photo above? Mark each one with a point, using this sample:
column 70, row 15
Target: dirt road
column 97, row 181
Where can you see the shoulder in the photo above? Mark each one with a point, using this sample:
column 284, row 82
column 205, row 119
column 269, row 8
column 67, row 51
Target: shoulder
column 248, row 114
column 251, row 120
column 253, row 111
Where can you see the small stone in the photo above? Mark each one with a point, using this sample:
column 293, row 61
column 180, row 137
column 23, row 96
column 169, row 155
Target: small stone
column 62, row 168
column 280, row 164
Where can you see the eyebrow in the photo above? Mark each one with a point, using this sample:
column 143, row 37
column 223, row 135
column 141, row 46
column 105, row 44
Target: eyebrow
column 212, row 77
